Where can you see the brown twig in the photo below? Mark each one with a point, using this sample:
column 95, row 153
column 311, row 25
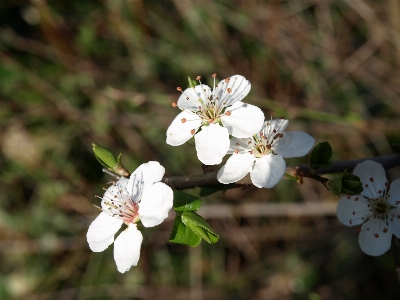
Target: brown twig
column 210, row 180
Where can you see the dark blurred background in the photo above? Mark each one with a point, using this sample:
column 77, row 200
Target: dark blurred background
column 105, row 71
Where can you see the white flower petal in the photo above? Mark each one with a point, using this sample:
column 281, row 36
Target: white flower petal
column 212, row 144
column 293, row 144
column 114, row 190
column 394, row 222
column 352, row 210
column 145, row 175
column 232, row 89
column 375, row 237
column 240, row 145
column 268, row 170
column 394, row 193
column 244, row 119
column 192, row 98
column 181, row 128
column 101, row 232
column 155, row 204
column 279, row 125
column 127, row 248
column 367, row 170
column 236, row 167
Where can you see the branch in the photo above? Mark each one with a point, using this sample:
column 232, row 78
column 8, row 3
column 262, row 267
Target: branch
column 209, row 180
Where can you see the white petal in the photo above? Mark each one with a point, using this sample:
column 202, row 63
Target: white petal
column 244, row 120
column 114, row 190
column 394, row 193
column 212, row 143
column 367, row 170
column 293, row 144
column 353, row 210
column 181, row 128
column 279, row 125
column 375, row 237
column 268, row 170
column 240, row 145
column 101, row 232
column 236, row 167
column 156, row 202
column 394, row 222
column 394, row 199
column 145, row 175
column 238, row 87
column 192, row 98
column 127, row 248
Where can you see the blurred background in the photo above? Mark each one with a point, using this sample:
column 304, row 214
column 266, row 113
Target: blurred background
column 105, row 71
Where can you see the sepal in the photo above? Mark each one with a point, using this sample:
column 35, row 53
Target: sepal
column 109, row 161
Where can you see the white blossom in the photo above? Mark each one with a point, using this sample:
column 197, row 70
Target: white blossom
column 212, row 115
column 263, row 154
column 377, row 208
column 141, row 198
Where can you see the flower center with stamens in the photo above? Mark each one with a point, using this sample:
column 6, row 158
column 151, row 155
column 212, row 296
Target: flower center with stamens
column 380, row 207
column 118, row 204
column 210, row 108
column 211, row 111
column 263, row 142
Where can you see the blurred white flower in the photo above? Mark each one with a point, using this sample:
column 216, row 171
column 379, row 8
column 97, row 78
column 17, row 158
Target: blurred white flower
column 377, row 208
column 262, row 154
column 212, row 115
column 141, row 198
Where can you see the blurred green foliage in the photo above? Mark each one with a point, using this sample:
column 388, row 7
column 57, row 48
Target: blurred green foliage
column 77, row 72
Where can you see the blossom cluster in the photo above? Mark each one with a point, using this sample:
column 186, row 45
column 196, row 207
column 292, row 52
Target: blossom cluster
column 220, row 124
column 257, row 146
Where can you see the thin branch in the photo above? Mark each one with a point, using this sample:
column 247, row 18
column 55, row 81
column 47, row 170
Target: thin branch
column 209, row 180
column 387, row 161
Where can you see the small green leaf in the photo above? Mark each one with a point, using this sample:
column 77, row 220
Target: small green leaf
column 345, row 183
column 192, row 82
column 185, row 202
column 207, row 192
column 109, row 161
column 200, row 226
column 211, row 189
column 351, row 185
column 181, row 234
column 335, row 184
column 104, row 156
column 320, row 156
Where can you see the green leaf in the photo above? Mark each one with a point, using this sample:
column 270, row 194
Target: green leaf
column 345, row 184
column 104, row 156
column 335, row 184
column 209, row 191
column 185, row 202
column 192, row 82
column 181, row 234
column 351, row 185
column 320, row 156
column 108, row 160
column 200, row 226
